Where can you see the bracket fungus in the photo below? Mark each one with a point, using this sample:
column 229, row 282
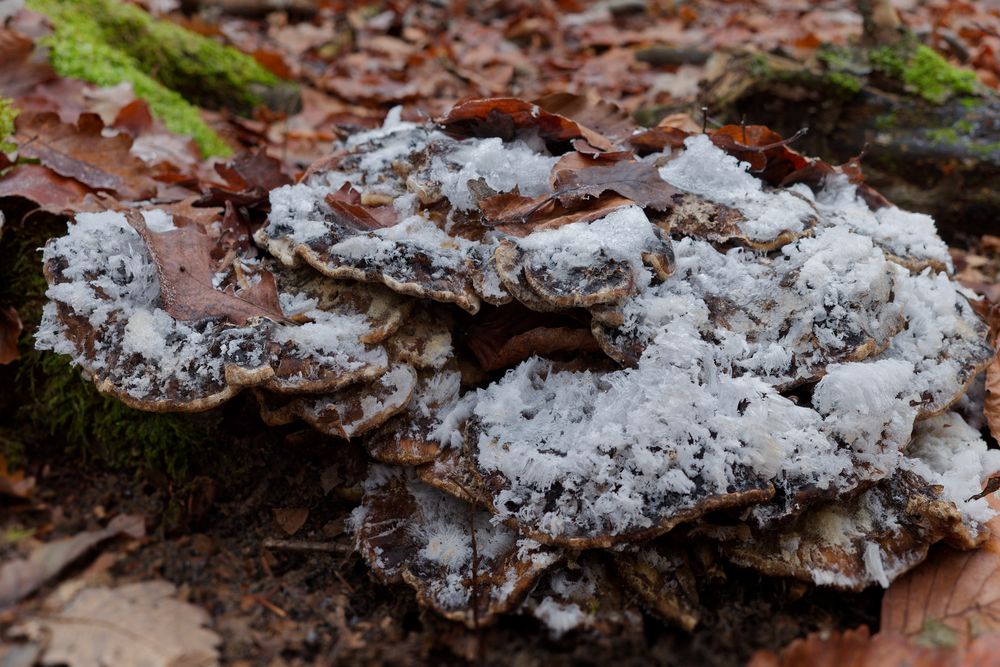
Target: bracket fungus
column 715, row 338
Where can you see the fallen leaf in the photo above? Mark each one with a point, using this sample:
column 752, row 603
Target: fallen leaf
column 135, row 624
column 183, row 259
column 43, row 186
column 21, row 577
column 954, row 595
column 858, row 648
column 20, row 72
column 10, row 330
column 504, row 116
column 83, row 153
column 991, row 406
column 249, row 178
column 639, row 181
column 291, row 519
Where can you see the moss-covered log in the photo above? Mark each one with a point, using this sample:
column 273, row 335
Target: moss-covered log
column 108, row 42
column 929, row 130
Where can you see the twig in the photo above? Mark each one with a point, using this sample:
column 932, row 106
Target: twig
column 305, row 545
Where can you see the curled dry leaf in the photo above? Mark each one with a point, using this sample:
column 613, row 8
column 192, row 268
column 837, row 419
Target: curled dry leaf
column 14, row 484
column 504, row 117
column 133, row 624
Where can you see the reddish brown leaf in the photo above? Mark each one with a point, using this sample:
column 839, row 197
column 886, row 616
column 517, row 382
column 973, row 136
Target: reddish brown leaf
column 954, row 594
column 10, row 329
column 81, row 152
column 362, row 217
column 991, row 408
column 184, row 264
column 768, row 154
column 44, row 187
column 20, row 73
column 639, row 181
column 603, row 117
column 857, row 648
column 291, row 519
column 249, row 178
column 504, row 116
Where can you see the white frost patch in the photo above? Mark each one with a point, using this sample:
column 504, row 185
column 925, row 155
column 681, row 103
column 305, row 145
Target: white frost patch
column 623, row 234
column 504, row 167
column 708, row 171
column 902, row 233
column 560, row 617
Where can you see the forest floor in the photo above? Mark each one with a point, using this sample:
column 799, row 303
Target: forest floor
column 253, row 529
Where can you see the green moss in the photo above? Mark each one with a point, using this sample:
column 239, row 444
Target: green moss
column 55, row 399
column 886, row 121
column 889, row 60
column 943, row 135
column 759, row 67
column 7, row 115
column 923, row 71
column 848, row 84
column 934, row 79
column 108, row 42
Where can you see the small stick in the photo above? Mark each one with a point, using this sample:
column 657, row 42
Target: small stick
column 305, row 545
column 704, row 120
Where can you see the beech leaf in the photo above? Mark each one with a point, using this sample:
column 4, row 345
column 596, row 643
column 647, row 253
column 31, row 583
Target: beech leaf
column 183, row 258
column 959, row 590
column 639, row 181
column 83, row 153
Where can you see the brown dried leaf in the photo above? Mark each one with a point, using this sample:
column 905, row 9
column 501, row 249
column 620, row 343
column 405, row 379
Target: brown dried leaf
column 858, row 648
column 45, row 187
column 83, row 153
column 639, row 181
column 10, row 330
column 504, row 336
column 504, row 116
column 249, row 177
column 21, row 577
column 134, row 624
column 184, row 264
column 991, row 406
column 291, row 519
column 955, row 595
column 604, row 117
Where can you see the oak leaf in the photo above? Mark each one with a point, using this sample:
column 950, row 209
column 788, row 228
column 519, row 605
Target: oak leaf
column 83, row 153
column 184, row 265
column 134, row 624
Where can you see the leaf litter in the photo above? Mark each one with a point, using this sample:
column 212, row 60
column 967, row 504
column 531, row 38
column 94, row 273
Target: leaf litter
column 450, row 234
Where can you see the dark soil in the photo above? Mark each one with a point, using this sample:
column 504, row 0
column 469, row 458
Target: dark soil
column 286, row 606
